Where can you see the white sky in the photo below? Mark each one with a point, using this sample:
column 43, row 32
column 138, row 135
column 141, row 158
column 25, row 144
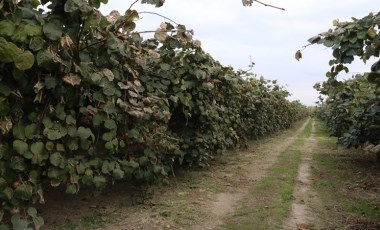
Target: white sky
column 232, row 34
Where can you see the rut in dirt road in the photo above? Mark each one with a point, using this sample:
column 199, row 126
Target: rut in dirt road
column 305, row 199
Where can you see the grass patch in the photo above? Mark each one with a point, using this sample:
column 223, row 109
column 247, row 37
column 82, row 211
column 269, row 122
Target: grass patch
column 268, row 202
column 92, row 221
column 348, row 184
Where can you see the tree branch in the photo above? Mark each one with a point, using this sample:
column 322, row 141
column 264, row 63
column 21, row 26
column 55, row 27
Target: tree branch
column 264, row 4
column 133, row 4
column 148, row 12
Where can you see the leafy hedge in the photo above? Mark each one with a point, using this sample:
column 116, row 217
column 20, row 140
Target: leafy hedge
column 352, row 107
column 86, row 101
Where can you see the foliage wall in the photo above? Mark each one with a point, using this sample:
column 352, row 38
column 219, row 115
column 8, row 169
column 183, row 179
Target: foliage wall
column 352, row 107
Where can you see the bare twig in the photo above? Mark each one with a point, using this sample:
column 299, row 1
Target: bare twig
column 305, row 46
column 148, row 12
column 264, row 4
column 154, row 31
column 133, row 4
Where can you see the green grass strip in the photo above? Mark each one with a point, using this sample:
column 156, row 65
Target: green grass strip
column 337, row 173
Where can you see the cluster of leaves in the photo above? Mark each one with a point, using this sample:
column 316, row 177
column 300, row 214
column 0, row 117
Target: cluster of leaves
column 352, row 107
column 86, row 101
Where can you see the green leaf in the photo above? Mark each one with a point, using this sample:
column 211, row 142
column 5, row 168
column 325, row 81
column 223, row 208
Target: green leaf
column 4, row 89
column 7, row 28
column 109, row 136
column 110, row 124
column 4, row 227
column 74, row 5
column 8, row 193
column 23, row 192
column 72, row 189
column 3, row 185
column 36, row 43
column 98, row 119
column 32, row 212
column 111, row 90
column 85, row 144
column 45, row 59
column 118, row 174
column 1, row 214
column 33, row 30
column 134, row 133
column 92, row 20
column 53, row 173
column 20, row 35
column 37, row 148
column 38, row 221
column 24, row 61
column 80, row 168
column 60, row 147
column 18, row 223
column 132, row 164
column 328, row 43
column 165, row 66
column 53, row 30
column 143, row 161
column 107, row 167
column 57, row 159
column 87, row 179
column 94, row 3
column 47, row 122
column 50, row 82
column 20, row 147
column 8, row 51
column 49, row 146
column 71, row 120
column 34, row 177
column 35, row 3
column 54, row 134
column 18, row 164
column 85, row 133
column 4, row 151
column 99, row 181
column 38, row 158
column 109, row 146
column 73, row 145
column 31, row 131
column 27, row 12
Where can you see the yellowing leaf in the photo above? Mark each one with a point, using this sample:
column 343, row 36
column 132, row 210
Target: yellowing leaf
column 160, row 35
column 372, row 32
column 298, row 55
column 108, row 74
column 72, row 79
column 132, row 94
column 136, row 113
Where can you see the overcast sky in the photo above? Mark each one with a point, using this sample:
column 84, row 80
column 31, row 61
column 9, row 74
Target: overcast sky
column 232, row 34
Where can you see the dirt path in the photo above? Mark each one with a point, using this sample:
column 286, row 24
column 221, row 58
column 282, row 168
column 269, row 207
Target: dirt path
column 305, row 200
